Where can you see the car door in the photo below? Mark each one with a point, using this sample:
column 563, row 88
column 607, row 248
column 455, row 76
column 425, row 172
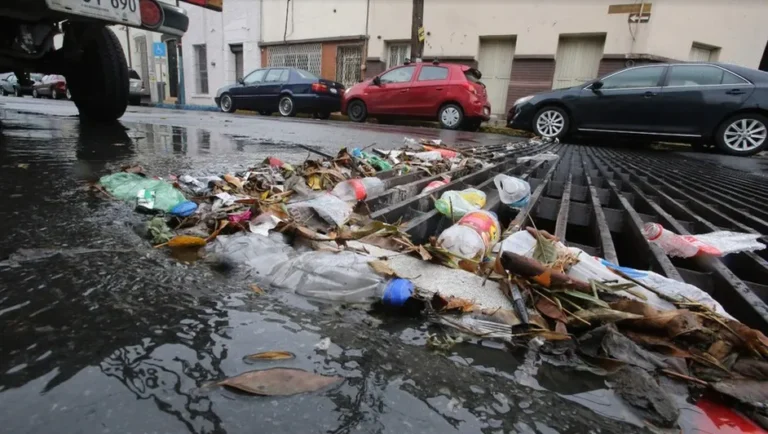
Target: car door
column 390, row 96
column 269, row 91
column 428, row 91
column 625, row 102
column 246, row 94
column 697, row 97
column 40, row 86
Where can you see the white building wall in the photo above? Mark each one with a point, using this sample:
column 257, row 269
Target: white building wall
column 314, row 19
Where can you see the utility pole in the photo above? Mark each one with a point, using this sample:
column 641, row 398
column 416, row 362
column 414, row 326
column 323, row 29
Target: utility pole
column 417, row 31
column 181, row 98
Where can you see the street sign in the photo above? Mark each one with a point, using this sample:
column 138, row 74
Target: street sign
column 158, row 48
column 421, row 34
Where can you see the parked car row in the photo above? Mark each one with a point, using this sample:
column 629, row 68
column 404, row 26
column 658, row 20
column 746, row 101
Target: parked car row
column 10, row 85
column 55, row 86
column 449, row 93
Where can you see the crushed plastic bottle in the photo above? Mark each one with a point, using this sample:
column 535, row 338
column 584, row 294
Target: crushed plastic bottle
column 355, row 190
column 435, row 185
column 376, row 162
column 513, row 192
column 672, row 243
column 718, row 243
column 473, row 236
column 458, row 203
column 428, row 156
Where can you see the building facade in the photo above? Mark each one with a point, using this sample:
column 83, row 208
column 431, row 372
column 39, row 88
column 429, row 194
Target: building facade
column 520, row 46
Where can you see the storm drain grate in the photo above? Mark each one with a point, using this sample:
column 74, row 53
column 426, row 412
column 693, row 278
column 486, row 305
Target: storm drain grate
column 598, row 199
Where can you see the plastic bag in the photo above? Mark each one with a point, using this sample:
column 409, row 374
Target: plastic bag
column 544, row 156
column 329, row 207
column 458, row 203
column 126, row 186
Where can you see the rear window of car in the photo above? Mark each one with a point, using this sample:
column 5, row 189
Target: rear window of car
column 472, row 76
column 133, row 74
column 701, row 75
column 306, row 74
column 428, row 73
column 277, row 75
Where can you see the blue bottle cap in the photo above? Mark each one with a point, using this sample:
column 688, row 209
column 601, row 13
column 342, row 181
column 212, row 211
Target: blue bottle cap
column 184, row 209
column 397, row 292
column 357, row 153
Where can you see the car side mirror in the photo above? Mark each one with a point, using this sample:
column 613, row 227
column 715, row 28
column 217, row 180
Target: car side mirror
column 240, row 81
column 597, row 85
column 376, row 81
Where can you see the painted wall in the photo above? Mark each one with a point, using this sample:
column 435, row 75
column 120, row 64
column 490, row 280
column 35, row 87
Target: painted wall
column 312, row 19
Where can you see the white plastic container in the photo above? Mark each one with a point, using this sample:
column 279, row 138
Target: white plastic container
column 513, row 192
column 473, row 236
column 354, row 190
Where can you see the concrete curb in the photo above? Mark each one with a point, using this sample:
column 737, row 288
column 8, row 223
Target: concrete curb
column 192, row 107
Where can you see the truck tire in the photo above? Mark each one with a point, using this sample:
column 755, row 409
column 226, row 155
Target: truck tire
column 100, row 84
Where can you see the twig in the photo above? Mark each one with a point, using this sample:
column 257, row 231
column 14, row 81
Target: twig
column 684, row 377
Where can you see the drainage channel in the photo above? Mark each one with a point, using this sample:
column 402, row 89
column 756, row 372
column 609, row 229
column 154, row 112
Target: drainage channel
column 598, row 199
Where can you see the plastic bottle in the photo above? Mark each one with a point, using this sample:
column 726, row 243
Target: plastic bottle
column 672, row 243
column 473, row 236
column 514, row 192
column 456, row 204
column 354, row 190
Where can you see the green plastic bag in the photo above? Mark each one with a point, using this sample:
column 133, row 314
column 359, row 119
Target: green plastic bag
column 125, row 186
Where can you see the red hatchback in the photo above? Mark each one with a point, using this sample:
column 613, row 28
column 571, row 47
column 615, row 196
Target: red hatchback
column 451, row 93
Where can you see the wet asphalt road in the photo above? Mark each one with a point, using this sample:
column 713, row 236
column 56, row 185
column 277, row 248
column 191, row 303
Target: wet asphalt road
column 103, row 334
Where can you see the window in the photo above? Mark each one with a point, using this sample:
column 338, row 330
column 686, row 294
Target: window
column 256, row 76
column 133, row 74
column 237, row 50
column 433, row 73
column 300, row 56
column 306, row 74
column 640, row 77
column 700, row 75
column 201, row 66
column 399, row 75
column 703, row 53
column 276, row 76
column 397, row 53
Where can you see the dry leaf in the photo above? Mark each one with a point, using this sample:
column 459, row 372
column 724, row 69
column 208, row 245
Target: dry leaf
column 461, row 304
column 234, row 181
column 720, row 349
column 550, row 310
column 552, row 336
column 381, row 267
column 186, row 241
column 561, row 328
column 255, row 288
column 271, row 355
column 659, row 344
column 279, row 382
column 545, row 251
column 424, row 253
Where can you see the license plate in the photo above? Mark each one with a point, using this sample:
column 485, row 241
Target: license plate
column 117, row 11
column 333, row 90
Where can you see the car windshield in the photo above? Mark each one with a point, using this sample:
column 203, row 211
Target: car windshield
column 306, row 74
column 36, row 77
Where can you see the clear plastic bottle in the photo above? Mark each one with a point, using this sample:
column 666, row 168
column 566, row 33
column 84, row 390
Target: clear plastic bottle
column 354, row 190
column 513, row 192
column 672, row 243
column 435, row 185
column 473, row 236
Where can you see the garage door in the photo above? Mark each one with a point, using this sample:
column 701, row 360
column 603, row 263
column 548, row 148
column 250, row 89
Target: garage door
column 577, row 60
column 495, row 62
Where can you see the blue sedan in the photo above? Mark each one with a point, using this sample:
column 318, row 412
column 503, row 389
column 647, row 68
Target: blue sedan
column 285, row 90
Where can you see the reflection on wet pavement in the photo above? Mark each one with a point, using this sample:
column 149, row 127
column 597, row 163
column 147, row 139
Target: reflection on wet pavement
column 101, row 333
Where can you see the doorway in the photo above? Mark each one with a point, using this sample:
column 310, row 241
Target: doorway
column 495, row 62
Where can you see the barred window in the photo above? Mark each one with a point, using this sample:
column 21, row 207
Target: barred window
column 201, row 66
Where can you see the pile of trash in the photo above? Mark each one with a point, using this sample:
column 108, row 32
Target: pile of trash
column 307, row 229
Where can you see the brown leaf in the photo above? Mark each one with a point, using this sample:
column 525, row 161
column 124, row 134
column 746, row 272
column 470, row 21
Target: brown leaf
column 186, row 241
column 271, row 355
column 381, row 267
column 561, row 328
column 423, row 253
column 279, row 382
column 538, row 321
column 552, row 336
column 550, row 310
column 460, row 304
column 674, row 323
column 236, row 182
column 658, row 344
column 634, row 306
column 255, row 288
column 720, row 349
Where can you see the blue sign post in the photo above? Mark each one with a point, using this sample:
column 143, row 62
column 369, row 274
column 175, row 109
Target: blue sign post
column 159, row 49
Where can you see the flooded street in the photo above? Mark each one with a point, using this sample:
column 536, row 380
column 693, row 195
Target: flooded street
column 102, row 333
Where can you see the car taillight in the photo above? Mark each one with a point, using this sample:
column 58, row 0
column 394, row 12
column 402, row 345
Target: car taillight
column 152, row 14
column 470, row 87
column 61, row 85
column 319, row 87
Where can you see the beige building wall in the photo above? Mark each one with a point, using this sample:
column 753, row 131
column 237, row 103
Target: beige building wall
column 312, row 19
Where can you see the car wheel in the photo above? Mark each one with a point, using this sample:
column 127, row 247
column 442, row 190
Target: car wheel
column 745, row 134
column 322, row 115
column 17, row 92
column 265, row 112
column 68, row 94
column 450, row 116
column 54, row 94
column 35, row 94
column 226, row 104
column 286, row 106
column 357, row 111
column 100, row 84
column 3, row 91
column 551, row 122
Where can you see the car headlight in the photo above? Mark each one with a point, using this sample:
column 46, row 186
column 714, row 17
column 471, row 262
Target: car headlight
column 523, row 100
